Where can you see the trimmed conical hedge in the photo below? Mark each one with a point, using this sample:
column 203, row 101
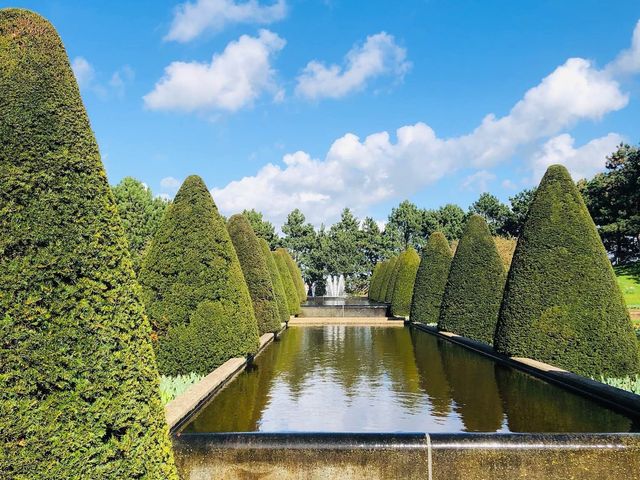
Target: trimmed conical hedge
column 296, row 275
column 385, row 286
column 80, row 392
column 276, row 280
column 431, row 279
column 374, row 283
column 473, row 293
column 393, row 277
column 192, row 260
column 293, row 301
column 562, row 304
column 256, row 273
column 408, row 263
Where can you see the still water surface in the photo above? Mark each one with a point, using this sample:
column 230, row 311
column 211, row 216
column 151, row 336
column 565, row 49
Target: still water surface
column 377, row 379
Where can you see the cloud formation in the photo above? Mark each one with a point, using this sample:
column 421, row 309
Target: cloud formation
column 87, row 79
column 192, row 19
column 232, row 80
column 380, row 55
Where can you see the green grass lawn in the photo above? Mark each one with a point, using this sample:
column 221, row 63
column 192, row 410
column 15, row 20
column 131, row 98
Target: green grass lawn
column 629, row 281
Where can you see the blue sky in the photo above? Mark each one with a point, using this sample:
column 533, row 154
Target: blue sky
column 326, row 104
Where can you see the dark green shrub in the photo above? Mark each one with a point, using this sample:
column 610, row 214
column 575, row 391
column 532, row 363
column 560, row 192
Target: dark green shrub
column 293, row 301
column 256, row 273
column 80, row 390
column 296, row 275
column 374, row 282
column 473, row 292
column 431, row 279
column 408, row 263
column 562, row 304
column 192, row 260
column 378, row 293
column 276, row 280
column 393, row 277
column 385, row 290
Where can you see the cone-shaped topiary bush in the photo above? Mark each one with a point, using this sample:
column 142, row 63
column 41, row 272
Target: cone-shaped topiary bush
column 256, row 273
column 384, row 267
column 276, row 280
column 431, row 279
column 293, row 301
column 473, row 292
column 562, row 304
column 385, row 285
column 374, row 282
column 192, row 260
column 80, row 390
column 296, row 275
column 408, row 263
column 393, row 277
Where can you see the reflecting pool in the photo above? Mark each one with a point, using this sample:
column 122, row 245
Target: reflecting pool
column 377, row 379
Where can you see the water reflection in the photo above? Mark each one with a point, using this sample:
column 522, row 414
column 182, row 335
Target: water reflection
column 358, row 379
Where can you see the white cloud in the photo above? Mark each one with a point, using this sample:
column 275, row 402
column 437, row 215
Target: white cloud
column 193, row 19
column 83, row 71
column 509, row 184
column 170, row 183
column 479, row 181
column 233, row 79
column 380, row 55
column 88, row 81
column 582, row 162
column 628, row 61
column 362, row 172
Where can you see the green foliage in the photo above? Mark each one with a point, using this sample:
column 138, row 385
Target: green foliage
column 386, row 279
column 506, row 247
column 408, row 263
column 80, row 393
column 629, row 282
column 495, row 213
column 293, row 300
column 172, row 387
column 296, row 275
column 475, row 284
column 276, row 280
column 374, row 284
column 256, row 273
column 393, row 277
column 407, row 220
column 192, row 260
column 628, row 383
column 562, row 304
column 431, row 279
column 141, row 214
column 262, row 228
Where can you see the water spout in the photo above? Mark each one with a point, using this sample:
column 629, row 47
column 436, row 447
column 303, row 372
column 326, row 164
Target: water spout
column 335, row 286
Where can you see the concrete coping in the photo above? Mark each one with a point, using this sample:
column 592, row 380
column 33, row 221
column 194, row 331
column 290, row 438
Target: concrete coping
column 613, row 397
column 352, row 321
column 178, row 410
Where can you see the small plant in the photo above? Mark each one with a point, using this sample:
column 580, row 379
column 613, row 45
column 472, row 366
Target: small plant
column 628, row 383
column 172, row 387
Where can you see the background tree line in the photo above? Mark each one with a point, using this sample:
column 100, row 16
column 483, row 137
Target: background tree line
column 353, row 246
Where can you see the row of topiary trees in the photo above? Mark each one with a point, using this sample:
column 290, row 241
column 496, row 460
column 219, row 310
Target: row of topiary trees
column 556, row 301
column 80, row 392
column 392, row 281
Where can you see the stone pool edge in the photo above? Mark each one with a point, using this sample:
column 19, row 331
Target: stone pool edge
column 180, row 409
column 613, row 397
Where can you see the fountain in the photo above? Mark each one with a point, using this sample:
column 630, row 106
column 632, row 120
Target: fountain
column 335, row 286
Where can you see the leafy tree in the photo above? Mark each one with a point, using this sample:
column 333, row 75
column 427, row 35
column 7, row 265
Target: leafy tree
column 140, row 213
column 192, row 260
column 262, row 228
column 371, row 243
column 319, row 262
column 451, row 221
column 519, row 208
column 256, row 273
column 298, row 236
column 431, row 279
column 562, row 304
column 345, row 240
column 408, row 263
column 293, row 300
column 407, row 220
column 474, row 288
column 276, row 280
column 80, row 393
column 495, row 213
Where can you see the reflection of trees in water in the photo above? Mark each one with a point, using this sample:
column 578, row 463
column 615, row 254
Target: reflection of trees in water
column 532, row 405
column 433, row 380
column 473, row 388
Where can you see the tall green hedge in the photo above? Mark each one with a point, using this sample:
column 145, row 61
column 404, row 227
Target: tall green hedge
column 276, row 280
column 256, row 273
column 408, row 263
column 473, row 292
column 80, row 390
column 374, row 282
column 296, row 275
column 384, row 267
column 192, row 260
column 385, row 289
column 393, row 277
column 562, row 304
column 431, row 279
column 293, row 301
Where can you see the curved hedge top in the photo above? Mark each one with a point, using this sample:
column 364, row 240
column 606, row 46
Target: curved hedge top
column 408, row 263
column 385, row 287
column 80, row 393
column 296, row 275
column 473, row 292
column 192, row 260
column 431, row 279
column 562, row 304
column 293, row 301
column 393, row 277
column 374, row 281
column 256, row 273
column 276, row 280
